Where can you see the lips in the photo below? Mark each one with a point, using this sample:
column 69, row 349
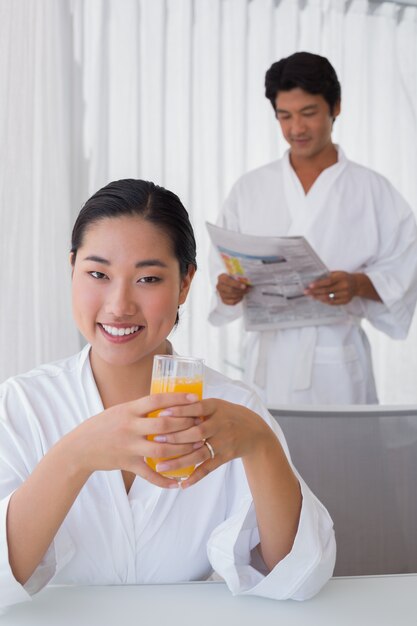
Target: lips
column 120, row 333
column 300, row 141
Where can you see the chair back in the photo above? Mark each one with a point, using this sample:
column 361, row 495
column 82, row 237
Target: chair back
column 361, row 462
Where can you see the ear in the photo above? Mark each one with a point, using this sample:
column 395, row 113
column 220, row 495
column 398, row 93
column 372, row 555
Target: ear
column 186, row 284
column 337, row 109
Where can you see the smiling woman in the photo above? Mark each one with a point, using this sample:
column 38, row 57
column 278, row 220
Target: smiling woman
column 128, row 296
column 79, row 504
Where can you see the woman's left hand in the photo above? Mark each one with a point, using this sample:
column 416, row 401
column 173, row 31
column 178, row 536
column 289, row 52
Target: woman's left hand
column 231, row 430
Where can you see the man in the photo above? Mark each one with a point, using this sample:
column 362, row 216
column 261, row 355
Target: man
column 355, row 220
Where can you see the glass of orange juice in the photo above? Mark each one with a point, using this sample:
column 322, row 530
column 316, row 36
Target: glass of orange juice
column 179, row 374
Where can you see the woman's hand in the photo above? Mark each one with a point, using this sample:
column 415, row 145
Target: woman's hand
column 117, row 437
column 233, row 431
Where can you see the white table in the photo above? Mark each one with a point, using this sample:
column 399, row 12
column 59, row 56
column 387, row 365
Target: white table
column 356, row 601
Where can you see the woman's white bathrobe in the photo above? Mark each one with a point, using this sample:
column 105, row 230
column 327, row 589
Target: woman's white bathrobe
column 151, row 535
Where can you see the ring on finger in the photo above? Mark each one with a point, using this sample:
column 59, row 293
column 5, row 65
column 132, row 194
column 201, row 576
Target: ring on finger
column 332, row 295
column 209, row 448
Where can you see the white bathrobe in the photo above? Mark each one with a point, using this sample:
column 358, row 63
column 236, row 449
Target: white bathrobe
column 357, row 222
column 151, row 535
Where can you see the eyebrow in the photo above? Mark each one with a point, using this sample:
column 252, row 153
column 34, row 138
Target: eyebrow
column 139, row 264
column 306, row 108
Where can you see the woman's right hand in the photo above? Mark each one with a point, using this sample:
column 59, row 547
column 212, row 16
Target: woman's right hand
column 116, row 439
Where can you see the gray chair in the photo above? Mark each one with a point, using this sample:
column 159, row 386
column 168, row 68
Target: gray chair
column 361, row 462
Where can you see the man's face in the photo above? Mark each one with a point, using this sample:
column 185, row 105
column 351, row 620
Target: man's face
column 306, row 122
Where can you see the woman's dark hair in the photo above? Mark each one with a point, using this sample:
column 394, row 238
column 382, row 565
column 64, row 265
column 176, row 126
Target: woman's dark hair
column 141, row 198
column 310, row 72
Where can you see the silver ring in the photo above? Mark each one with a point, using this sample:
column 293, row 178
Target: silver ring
column 332, row 295
column 209, row 447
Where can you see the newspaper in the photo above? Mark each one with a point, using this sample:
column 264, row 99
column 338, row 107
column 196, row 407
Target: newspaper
column 278, row 269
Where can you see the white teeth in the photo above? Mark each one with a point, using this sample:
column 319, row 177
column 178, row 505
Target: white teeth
column 119, row 332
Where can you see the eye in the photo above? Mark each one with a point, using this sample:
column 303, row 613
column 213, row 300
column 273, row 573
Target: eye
column 149, row 280
column 98, row 275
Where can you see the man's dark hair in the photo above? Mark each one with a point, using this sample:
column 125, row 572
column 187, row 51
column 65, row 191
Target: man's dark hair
column 310, row 72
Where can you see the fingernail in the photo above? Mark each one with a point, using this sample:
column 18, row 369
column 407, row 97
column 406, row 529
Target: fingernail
column 174, row 485
column 160, row 438
column 198, row 421
column 162, row 467
column 165, row 413
column 198, row 445
column 192, row 397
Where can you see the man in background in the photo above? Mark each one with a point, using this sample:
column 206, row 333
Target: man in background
column 358, row 224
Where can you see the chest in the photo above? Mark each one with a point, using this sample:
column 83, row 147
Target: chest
column 339, row 220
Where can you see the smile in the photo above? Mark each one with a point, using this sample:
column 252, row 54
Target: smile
column 119, row 332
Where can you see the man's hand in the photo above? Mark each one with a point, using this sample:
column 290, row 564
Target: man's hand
column 340, row 287
column 231, row 290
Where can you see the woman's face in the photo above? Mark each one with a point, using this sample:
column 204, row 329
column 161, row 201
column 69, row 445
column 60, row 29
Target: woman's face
column 126, row 289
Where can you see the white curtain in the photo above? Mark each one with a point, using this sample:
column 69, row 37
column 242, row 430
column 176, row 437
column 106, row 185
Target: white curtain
column 37, row 154
column 172, row 91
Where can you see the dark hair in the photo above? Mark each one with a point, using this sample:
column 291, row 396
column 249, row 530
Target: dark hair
column 310, row 72
column 143, row 199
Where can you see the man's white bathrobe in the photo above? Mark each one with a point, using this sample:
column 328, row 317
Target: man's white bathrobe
column 151, row 535
column 357, row 222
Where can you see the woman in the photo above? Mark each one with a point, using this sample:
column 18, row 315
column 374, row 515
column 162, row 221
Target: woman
column 78, row 504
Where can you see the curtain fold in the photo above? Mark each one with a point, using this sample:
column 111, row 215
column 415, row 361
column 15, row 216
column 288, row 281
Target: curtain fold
column 36, row 181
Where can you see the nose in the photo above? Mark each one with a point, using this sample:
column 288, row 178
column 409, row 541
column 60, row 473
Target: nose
column 120, row 301
column 298, row 126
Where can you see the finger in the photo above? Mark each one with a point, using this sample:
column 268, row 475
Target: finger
column 225, row 280
column 156, row 450
column 322, row 283
column 195, row 458
column 231, row 293
column 163, row 424
column 326, row 300
column 232, row 301
column 144, row 471
column 159, row 401
column 188, row 436
column 200, row 472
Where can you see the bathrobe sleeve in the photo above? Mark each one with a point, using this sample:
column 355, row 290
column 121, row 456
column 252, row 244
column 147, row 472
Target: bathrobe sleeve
column 393, row 272
column 308, row 566
column 221, row 313
column 18, row 458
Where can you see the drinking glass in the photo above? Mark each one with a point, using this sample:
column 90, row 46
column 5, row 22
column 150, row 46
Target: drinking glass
column 178, row 374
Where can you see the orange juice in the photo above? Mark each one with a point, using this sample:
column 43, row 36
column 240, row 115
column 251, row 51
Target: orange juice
column 179, row 385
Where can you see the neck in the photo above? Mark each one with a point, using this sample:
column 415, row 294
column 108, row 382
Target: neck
column 124, row 383
column 315, row 163
column 308, row 169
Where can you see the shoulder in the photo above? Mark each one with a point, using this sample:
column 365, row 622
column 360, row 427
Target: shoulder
column 366, row 176
column 378, row 189
column 217, row 385
column 46, row 377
